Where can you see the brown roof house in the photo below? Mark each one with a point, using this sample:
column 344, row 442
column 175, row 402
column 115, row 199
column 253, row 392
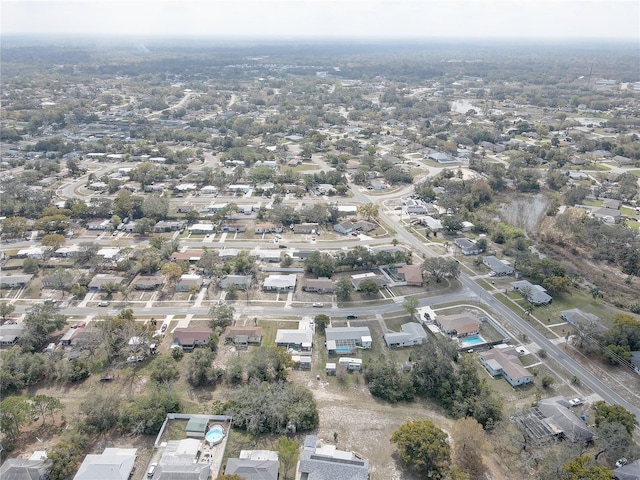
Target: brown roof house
column 460, row 325
column 320, row 285
column 147, row 282
column 243, row 336
column 189, row 338
column 412, row 275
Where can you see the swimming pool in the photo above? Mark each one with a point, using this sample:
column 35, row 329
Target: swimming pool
column 343, row 350
column 472, row 341
column 215, row 435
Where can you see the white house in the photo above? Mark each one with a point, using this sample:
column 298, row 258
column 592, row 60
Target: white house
column 280, row 283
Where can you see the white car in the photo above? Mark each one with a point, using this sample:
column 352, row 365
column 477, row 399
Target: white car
column 574, row 402
column 103, row 303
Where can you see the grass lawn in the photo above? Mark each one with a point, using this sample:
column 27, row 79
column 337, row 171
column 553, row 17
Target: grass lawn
column 578, row 299
column 269, row 330
column 634, row 172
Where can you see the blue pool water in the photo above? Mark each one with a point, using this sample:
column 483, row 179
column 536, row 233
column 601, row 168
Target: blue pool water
column 343, row 350
column 215, row 435
column 472, row 341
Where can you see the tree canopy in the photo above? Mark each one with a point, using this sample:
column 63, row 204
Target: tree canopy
column 423, row 447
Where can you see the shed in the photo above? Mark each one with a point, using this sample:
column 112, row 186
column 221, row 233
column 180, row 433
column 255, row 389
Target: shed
column 197, row 426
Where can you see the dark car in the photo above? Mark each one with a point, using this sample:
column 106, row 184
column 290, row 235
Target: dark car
column 352, row 317
column 282, row 246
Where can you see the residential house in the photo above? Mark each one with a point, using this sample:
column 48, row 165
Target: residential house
column 69, row 251
column 10, row 335
column 607, row 215
column 242, row 282
column 189, row 338
column 345, row 340
column 166, row 226
column 375, row 184
column 299, row 340
column 412, row 334
column 280, row 283
column 439, row 157
column 411, row 274
column 352, row 364
column 148, row 282
column 345, row 228
column 466, row 246
column 36, row 467
column 497, row 266
column 630, row 471
column 357, row 279
column 15, row 281
column 320, row 285
column 326, row 462
column 261, row 228
column 100, row 225
column 306, row 228
column 180, row 460
column 460, row 325
column 535, row 294
column 191, row 256
column 235, row 227
column 111, row 464
column 267, row 255
column 503, row 361
column 187, row 281
column 254, row 465
column 243, row 336
column 433, row 224
column 578, row 318
column 101, row 279
column 555, row 414
column 364, row 226
column 185, row 208
column 33, row 252
column 201, row 229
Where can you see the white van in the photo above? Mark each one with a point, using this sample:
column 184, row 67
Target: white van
column 152, row 470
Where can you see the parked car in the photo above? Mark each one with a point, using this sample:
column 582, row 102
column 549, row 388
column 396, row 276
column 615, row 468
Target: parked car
column 103, row 303
column 574, row 402
column 352, row 317
column 152, row 470
column 163, row 328
column 318, row 305
column 79, row 325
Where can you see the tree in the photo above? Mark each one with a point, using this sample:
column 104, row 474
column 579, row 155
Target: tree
column 322, row 321
column 200, row 370
column 615, row 442
column 614, row 414
column 269, row 364
column 582, row 468
column 279, row 407
column 144, row 414
column 6, row 309
column 66, row 454
column 319, row 264
column 369, row 210
column 556, row 285
column 15, row 412
column 440, row 268
column 101, row 413
column 423, row 447
column 60, row 279
column 369, row 287
column 470, row 443
column 53, row 240
column 172, row 272
column 21, row 369
column 163, row 369
column 40, row 322
column 46, row 405
column 155, row 206
column 287, row 454
column 221, row 315
column 343, row 289
column 411, row 305
column 547, row 381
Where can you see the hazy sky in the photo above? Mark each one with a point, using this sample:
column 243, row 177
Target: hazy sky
column 611, row 19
